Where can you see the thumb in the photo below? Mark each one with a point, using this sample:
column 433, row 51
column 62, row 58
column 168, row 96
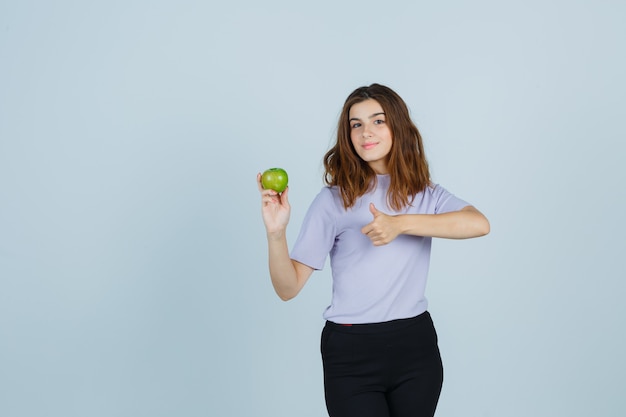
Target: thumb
column 284, row 196
column 373, row 210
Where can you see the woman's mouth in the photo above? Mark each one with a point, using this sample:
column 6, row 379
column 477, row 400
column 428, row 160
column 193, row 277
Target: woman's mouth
column 368, row 146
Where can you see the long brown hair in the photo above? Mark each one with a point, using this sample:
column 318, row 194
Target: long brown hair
column 407, row 165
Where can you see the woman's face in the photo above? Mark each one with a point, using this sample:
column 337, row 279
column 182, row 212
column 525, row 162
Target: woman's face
column 370, row 134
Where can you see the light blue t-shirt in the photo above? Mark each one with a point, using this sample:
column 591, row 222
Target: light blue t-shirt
column 371, row 284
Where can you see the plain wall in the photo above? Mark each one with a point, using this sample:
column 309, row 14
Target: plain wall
column 133, row 270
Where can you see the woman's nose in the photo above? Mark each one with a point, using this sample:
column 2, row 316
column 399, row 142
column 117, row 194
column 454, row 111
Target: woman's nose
column 367, row 132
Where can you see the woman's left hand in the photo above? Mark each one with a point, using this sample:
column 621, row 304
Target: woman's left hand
column 383, row 229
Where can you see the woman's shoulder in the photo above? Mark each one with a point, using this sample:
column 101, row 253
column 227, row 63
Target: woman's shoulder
column 431, row 190
column 327, row 191
column 435, row 189
column 431, row 193
column 328, row 195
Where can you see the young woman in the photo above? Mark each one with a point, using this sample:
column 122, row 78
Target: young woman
column 376, row 219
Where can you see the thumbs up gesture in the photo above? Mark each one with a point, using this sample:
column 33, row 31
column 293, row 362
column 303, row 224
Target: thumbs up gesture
column 382, row 229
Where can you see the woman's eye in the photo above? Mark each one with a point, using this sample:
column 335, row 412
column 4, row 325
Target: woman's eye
column 379, row 121
column 355, row 125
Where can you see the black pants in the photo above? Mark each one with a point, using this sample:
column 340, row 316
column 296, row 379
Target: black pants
column 390, row 369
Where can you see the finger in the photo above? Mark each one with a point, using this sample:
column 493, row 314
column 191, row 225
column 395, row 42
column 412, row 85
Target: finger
column 284, row 196
column 267, row 200
column 270, row 195
column 258, row 182
column 373, row 210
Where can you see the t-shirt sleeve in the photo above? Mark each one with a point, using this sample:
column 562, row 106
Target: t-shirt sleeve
column 446, row 201
column 318, row 231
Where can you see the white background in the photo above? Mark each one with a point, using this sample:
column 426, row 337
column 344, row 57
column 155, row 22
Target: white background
column 133, row 271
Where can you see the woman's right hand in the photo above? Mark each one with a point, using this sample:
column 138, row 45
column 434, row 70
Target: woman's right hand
column 275, row 208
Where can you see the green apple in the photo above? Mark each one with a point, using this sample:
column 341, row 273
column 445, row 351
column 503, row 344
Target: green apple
column 275, row 179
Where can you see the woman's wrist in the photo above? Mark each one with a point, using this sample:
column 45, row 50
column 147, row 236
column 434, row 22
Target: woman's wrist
column 276, row 235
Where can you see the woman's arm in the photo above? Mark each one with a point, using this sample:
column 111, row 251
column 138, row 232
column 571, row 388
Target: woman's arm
column 288, row 276
column 465, row 223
